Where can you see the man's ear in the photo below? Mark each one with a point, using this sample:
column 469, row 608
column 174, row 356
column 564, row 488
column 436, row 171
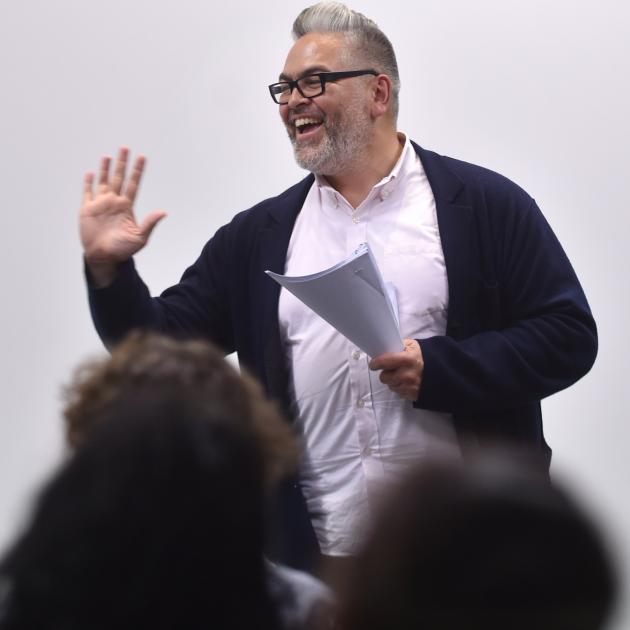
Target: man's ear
column 381, row 95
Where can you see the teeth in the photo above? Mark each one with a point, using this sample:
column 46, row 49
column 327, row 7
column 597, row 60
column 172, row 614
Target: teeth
column 300, row 122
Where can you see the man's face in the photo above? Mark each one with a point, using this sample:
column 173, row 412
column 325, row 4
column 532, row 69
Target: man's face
column 339, row 124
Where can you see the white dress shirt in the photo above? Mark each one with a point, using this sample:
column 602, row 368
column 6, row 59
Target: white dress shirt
column 357, row 434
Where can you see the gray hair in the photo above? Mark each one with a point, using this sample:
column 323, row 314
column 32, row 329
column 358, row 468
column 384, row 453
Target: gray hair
column 370, row 41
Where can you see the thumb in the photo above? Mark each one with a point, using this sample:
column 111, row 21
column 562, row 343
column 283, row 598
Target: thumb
column 150, row 222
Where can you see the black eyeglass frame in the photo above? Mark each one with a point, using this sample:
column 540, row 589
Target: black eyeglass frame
column 324, row 77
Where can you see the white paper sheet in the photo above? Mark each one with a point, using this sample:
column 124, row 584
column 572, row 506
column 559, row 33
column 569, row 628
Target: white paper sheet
column 352, row 297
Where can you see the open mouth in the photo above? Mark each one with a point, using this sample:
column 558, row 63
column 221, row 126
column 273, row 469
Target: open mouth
column 307, row 126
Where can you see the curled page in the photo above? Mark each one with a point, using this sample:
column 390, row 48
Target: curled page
column 352, row 297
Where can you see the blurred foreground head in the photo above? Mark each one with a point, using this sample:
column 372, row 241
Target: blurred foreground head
column 485, row 545
column 157, row 520
column 146, row 365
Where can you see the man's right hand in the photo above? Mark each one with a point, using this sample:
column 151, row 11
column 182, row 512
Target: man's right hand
column 109, row 231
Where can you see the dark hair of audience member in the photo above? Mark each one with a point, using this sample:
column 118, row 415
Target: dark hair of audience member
column 487, row 545
column 191, row 369
column 155, row 522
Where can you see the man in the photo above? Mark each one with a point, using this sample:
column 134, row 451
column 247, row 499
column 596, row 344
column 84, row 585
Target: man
column 493, row 316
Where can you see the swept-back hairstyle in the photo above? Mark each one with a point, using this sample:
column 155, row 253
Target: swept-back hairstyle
column 371, row 44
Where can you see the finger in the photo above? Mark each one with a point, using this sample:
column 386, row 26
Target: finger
column 390, row 361
column 103, row 178
column 150, row 222
column 385, row 360
column 390, row 377
column 409, row 357
column 131, row 189
column 378, row 363
column 412, row 347
column 119, row 171
column 398, row 389
column 88, row 182
column 405, row 391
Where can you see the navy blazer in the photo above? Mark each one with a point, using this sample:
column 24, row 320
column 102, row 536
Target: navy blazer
column 518, row 329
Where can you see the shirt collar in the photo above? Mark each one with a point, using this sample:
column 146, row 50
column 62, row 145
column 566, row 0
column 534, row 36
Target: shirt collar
column 404, row 164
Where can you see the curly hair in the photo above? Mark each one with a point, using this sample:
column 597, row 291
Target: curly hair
column 190, row 370
column 158, row 520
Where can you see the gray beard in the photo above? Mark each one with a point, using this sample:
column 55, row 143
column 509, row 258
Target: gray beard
column 322, row 159
column 342, row 144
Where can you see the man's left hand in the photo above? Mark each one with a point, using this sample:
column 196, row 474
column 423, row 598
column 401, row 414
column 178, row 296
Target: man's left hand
column 402, row 371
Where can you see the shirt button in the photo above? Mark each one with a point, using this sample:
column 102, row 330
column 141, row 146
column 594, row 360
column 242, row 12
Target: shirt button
column 356, row 220
column 360, row 403
column 367, row 451
column 356, row 354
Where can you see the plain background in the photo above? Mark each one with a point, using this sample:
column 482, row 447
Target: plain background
column 535, row 89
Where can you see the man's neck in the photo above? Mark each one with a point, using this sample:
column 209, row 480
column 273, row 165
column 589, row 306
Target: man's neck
column 377, row 160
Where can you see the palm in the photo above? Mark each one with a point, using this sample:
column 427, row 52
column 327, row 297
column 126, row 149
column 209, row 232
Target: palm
column 109, row 230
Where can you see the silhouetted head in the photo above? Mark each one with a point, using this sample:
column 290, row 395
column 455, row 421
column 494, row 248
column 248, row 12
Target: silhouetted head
column 484, row 545
column 147, row 364
column 158, row 517
column 156, row 522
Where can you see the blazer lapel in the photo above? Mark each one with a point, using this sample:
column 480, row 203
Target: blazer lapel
column 274, row 240
column 455, row 221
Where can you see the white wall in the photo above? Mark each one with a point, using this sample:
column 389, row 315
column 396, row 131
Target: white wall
column 536, row 89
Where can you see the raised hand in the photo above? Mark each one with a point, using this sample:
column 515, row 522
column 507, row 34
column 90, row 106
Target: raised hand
column 110, row 233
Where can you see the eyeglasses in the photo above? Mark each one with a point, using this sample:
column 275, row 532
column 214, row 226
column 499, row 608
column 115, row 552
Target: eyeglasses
column 311, row 85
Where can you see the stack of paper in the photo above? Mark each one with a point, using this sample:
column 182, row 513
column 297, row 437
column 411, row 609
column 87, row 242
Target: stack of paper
column 352, row 297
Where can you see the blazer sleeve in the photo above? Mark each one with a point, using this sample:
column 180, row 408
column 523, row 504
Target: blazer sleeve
column 544, row 339
column 198, row 306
